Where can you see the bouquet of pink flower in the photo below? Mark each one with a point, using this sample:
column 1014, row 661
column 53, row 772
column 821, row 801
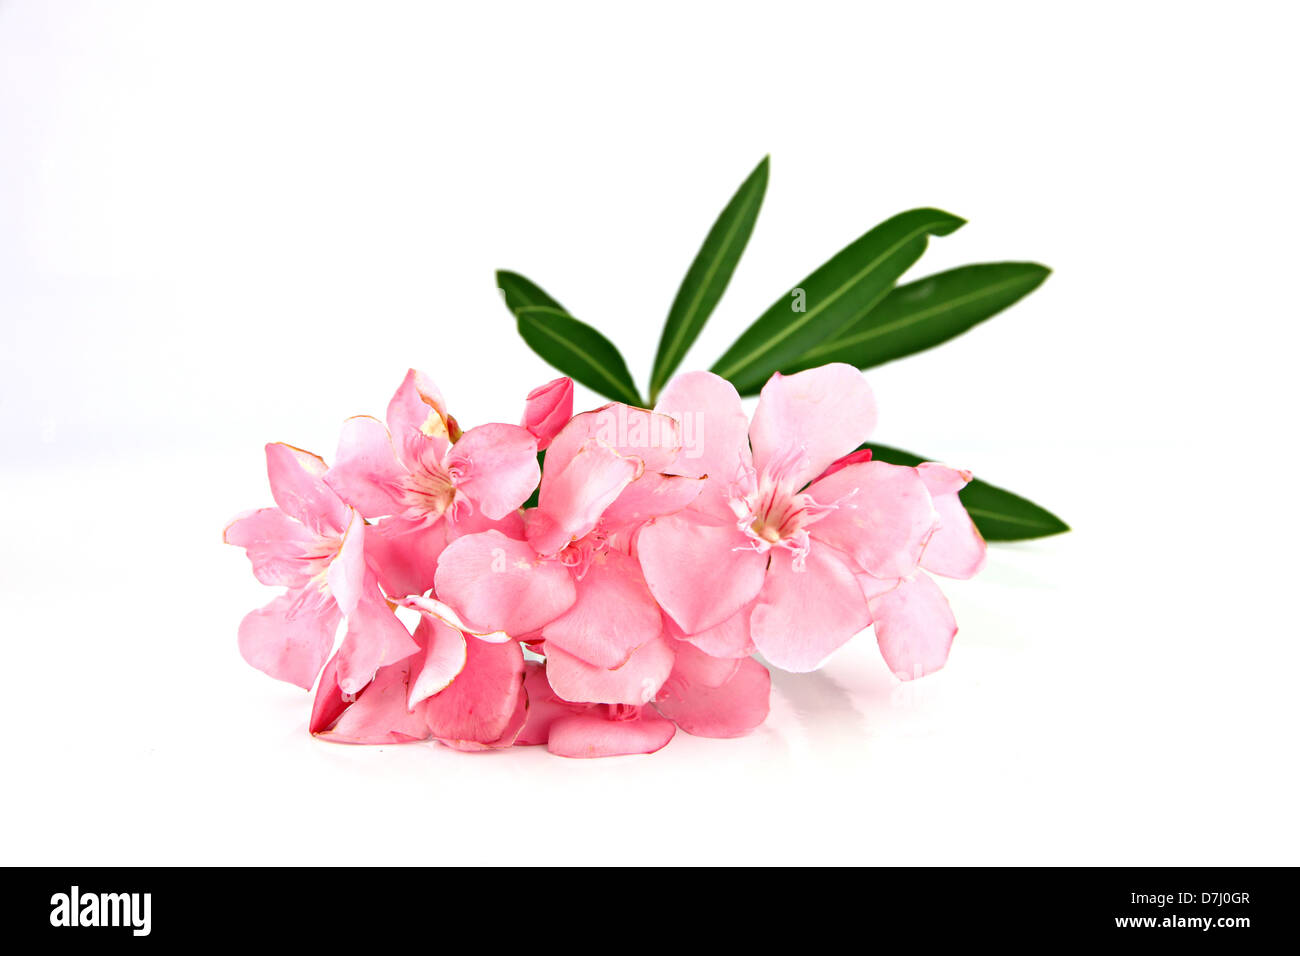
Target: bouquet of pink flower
column 593, row 582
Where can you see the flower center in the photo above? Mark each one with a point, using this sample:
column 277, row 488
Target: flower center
column 776, row 513
column 579, row 555
column 427, row 492
column 316, row 595
column 773, row 513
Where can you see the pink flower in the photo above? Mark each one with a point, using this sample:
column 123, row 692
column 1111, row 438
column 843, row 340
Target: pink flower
column 709, row 696
column 428, row 481
column 610, row 731
column 666, row 549
column 462, row 690
column 704, row 696
column 472, row 692
column 796, row 537
column 577, row 729
column 568, row 578
column 913, row 622
column 571, row 588
column 312, row 545
column 548, row 409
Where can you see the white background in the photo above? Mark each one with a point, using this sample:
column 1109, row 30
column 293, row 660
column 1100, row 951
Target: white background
column 223, row 224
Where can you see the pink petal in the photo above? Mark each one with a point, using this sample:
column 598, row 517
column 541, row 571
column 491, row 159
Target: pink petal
column 417, row 416
column 613, row 615
column 651, row 496
column 378, row 715
column 803, row 616
column 941, row 479
column 650, row 438
column 283, row 551
column 509, row 736
column 291, row 637
column 592, row 735
column 544, row 707
column 883, row 516
column 499, row 584
column 375, row 638
column 366, row 472
column 471, row 521
column 956, row 548
column 819, row 414
column 699, row 669
column 730, row 639
column 496, row 467
column 443, row 657
column 635, row 683
column 914, row 627
column 298, row 487
column 347, row 570
column 404, row 554
column 571, row 505
column 445, row 613
column 479, row 704
column 548, row 409
column 873, row 587
column 329, row 703
column 714, row 433
column 731, row 710
column 700, row 572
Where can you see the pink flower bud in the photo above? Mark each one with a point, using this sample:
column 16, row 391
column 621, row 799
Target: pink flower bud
column 548, row 409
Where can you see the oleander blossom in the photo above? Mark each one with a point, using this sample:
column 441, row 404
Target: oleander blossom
column 664, row 550
column 427, row 481
column 798, row 540
column 464, row 690
column 570, row 588
column 312, row 544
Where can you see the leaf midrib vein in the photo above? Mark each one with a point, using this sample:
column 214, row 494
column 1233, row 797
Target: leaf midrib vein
column 829, row 301
column 688, row 315
column 913, row 318
column 619, row 387
column 1010, row 519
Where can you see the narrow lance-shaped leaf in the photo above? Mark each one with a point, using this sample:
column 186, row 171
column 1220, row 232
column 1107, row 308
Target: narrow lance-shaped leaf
column 835, row 296
column 928, row 312
column 520, row 293
column 577, row 350
column 999, row 514
column 708, row 276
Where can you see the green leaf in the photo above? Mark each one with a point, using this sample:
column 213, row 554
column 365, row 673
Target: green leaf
column 832, row 298
column 708, row 276
column 930, row 311
column 577, row 350
column 999, row 514
column 520, row 293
